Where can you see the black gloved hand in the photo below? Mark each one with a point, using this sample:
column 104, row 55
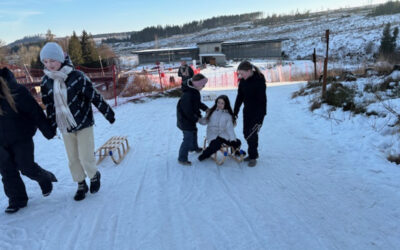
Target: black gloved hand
column 112, row 120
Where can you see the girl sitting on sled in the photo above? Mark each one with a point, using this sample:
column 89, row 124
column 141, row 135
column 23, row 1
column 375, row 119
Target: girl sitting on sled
column 220, row 121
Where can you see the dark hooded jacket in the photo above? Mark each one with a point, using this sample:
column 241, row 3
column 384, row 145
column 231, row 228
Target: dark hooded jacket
column 188, row 107
column 252, row 93
column 80, row 96
column 21, row 126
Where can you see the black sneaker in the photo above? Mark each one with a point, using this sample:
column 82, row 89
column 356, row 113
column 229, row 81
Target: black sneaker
column 82, row 190
column 197, row 150
column 201, row 157
column 185, row 163
column 47, row 186
column 95, row 183
column 252, row 163
column 14, row 208
column 239, row 153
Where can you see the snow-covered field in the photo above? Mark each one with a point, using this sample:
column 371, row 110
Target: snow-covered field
column 317, row 185
column 354, row 36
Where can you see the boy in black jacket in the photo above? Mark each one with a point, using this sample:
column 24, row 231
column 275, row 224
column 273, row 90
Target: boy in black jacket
column 188, row 114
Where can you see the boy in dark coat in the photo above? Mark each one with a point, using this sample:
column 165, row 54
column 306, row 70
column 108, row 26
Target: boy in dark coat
column 20, row 116
column 188, row 114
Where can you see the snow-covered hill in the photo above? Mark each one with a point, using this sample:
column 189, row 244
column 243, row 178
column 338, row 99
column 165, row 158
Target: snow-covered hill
column 355, row 36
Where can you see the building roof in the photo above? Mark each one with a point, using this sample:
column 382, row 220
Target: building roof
column 206, row 42
column 255, row 41
column 212, row 54
column 164, row 49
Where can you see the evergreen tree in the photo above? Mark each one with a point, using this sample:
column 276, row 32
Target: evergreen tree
column 89, row 52
column 36, row 63
column 49, row 36
column 75, row 49
column 388, row 41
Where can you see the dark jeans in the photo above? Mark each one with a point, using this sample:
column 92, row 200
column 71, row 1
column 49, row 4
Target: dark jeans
column 189, row 143
column 13, row 159
column 250, row 132
column 216, row 144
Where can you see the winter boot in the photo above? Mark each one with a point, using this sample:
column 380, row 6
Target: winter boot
column 95, row 183
column 82, row 190
column 185, row 163
column 239, row 153
column 202, row 157
column 252, row 163
column 47, row 185
column 197, row 150
column 14, row 208
column 246, row 159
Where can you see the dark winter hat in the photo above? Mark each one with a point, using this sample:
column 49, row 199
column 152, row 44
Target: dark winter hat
column 52, row 51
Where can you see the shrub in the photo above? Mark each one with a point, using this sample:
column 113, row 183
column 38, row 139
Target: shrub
column 339, row 95
column 394, row 159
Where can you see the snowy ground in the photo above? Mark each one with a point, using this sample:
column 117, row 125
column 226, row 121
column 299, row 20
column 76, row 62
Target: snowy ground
column 317, row 185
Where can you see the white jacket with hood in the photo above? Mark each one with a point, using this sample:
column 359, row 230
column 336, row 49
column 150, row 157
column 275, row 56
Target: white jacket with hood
column 220, row 124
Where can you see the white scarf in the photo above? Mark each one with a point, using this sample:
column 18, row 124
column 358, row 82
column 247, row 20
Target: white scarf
column 64, row 118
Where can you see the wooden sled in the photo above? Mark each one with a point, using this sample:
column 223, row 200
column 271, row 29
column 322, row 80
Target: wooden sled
column 115, row 144
column 220, row 156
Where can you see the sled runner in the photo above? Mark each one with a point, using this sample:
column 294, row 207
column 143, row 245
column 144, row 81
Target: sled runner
column 116, row 144
column 220, row 156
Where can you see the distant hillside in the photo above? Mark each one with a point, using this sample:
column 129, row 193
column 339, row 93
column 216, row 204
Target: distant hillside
column 355, row 34
column 28, row 40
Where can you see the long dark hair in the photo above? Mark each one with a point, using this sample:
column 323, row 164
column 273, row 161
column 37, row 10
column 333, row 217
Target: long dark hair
column 246, row 65
column 226, row 107
column 5, row 93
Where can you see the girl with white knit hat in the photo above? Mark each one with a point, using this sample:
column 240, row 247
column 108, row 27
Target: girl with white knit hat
column 68, row 95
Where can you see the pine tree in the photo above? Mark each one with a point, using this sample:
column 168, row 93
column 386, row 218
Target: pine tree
column 388, row 41
column 89, row 52
column 36, row 63
column 49, row 36
column 75, row 49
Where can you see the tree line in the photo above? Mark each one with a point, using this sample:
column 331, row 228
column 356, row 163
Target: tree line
column 82, row 51
column 391, row 7
column 150, row 33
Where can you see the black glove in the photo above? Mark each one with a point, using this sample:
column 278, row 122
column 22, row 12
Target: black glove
column 112, row 120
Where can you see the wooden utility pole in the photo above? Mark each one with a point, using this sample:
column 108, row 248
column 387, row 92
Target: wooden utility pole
column 325, row 65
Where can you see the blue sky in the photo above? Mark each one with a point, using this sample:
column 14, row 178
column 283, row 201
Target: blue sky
column 19, row 18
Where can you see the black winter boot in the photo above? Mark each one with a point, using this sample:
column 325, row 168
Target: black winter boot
column 202, row 157
column 14, row 208
column 95, row 183
column 47, row 186
column 197, row 150
column 82, row 190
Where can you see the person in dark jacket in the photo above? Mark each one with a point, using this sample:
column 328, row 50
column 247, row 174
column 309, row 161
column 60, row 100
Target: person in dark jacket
column 185, row 72
column 20, row 116
column 188, row 114
column 68, row 95
column 252, row 93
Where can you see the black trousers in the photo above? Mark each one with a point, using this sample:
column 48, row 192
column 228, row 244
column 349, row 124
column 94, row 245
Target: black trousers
column 18, row 158
column 216, row 144
column 250, row 132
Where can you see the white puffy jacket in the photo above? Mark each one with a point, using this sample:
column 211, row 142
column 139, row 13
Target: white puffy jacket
column 220, row 124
